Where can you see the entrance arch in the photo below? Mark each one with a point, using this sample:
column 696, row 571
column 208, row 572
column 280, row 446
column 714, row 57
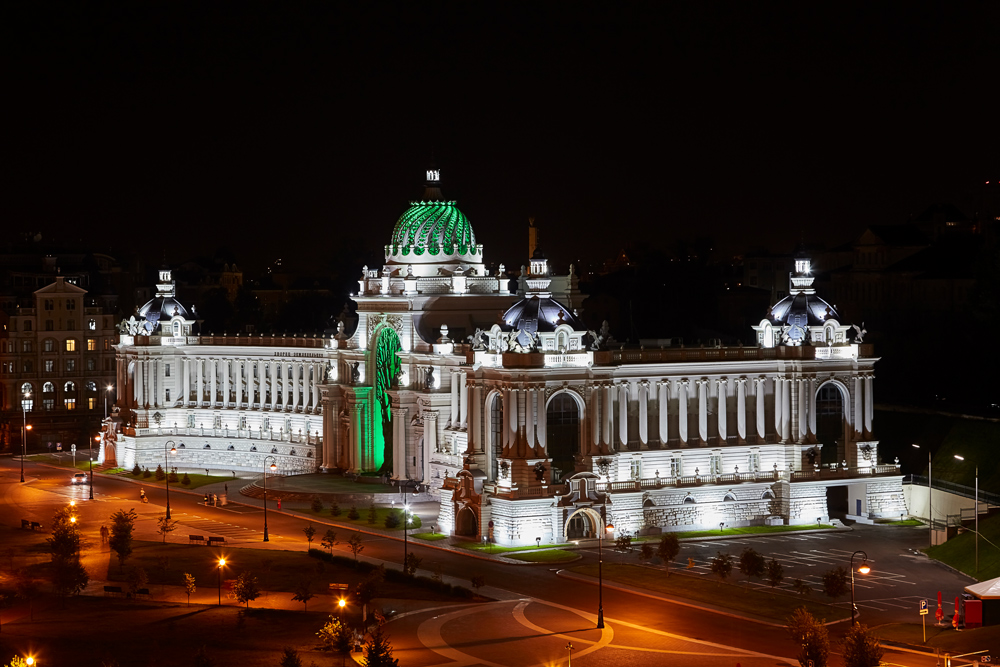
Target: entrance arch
column 466, row 523
column 832, row 421
column 582, row 524
column 386, row 371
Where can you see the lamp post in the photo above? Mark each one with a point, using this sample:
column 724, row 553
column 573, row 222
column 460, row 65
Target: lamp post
column 600, row 563
column 222, row 564
column 274, row 466
column 406, row 525
column 341, row 603
column 569, row 647
column 107, row 390
column 930, row 506
column 864, row 569
column 166, row 464
column 975, row 510
column 24, row 429
column 91, row 466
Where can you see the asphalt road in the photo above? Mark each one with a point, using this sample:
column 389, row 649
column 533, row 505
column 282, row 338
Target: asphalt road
column 541, row 612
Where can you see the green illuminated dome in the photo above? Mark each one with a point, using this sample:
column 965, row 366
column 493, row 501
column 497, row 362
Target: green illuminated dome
column 436, row 228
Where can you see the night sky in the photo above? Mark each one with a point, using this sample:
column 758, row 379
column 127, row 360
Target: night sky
column 283, row 129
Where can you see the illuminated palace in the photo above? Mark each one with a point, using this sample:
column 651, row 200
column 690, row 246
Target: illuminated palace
column 500, row 404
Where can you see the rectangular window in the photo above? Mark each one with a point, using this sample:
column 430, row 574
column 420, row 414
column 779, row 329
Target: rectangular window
column 217, row 422
column 91, row 345
column 166, row 370
column 266, row 424
column 636, row 469
column 50, row 365
column 48, row 345
column 190, row 420
column 243, row 421
column 91, row 364
column 27, row 325
column 675, row 467
column 71, row 365
column 70, row 325
column 49, row 326
column 49, row 404
column 715, row 464
column 92, row 325
column 107, row 344
column 70, row 345
column 70, row 304
column 90, row 403
column 167, row 395
column 26, row 346
column 49, row 304
column 70, row 403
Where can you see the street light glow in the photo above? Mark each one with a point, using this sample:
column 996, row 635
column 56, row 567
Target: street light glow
column 341, row 603
column 960, row 458
column 864, row 569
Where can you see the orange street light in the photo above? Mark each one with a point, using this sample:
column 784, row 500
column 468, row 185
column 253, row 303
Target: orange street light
column 863, row 569
column 222, row 564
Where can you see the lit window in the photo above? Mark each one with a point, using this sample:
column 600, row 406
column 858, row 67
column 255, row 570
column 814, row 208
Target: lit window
column 71, row 345
column 70, row 403
column 92, row 325
column 91, row 345
column 90, row 403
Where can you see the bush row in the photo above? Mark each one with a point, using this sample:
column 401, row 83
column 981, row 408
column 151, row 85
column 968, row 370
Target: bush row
column 394, row 575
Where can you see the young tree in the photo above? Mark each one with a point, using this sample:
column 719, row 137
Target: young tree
column 329, row 540
column 245, row 588
column 334, row 508
column 290, row 658
column 392, row 520
column 172, row 476
column 752, row 564
column 372, row 514
column 668, row 548
column 317, row 504
column 722, row 565
column 186, row 480
column 189, row 586
column 835, row 582
column 775, row 574
column 303, row 593
column 353, row 513
column 801, row 587
column 368, row 589
column 336, row 636
column 68, row 575
column 378, row 651
column 811, row 636
column 623, row 543
column 646, row 552
column 122, row 526
column 137, row 579
column 861, row 648
column 160, row 475
column 310, row 534
column 136, row 470
column 412, row 563
column 355, row 544
column 165, row 526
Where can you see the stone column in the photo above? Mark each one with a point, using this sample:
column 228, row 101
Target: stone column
column 453, row 415
column 608, row 414
column 663, row 389
column 200, row 389
column 623, row 415
column 473, row 437
column 238, row 367
column 430, row 430
column 137, row 383
column 703, row 410
column 803, row 417
column 513, row 418
column 541, row 420
column 644, row 415
column 226, row 372
column 463, row 401
column 273, row 366
column 869, row 404
column 213, row 369
column 185, row 381
column 399, row 443
column 811, row 408
column 594, row 410
column 786, row 410
column 529, row 418
column 778, row 393
column 682, row 410
column 760, row 392
column 858, row 412
column 741, row 409
column 331, row 431
column 722, row 388
column 317, row 379
column 354, row 454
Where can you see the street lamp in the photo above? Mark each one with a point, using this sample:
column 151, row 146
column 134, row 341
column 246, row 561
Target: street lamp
column 930, row 491
column 975, row 510
column 274, row 466
column 569, row 647
column 166, row 464
column 25, row 397
column 864, row 569
column 406, row 525
column 107, row 390
column 605, row 527
column 91, row 457
column 29, row 661
column 222, row 564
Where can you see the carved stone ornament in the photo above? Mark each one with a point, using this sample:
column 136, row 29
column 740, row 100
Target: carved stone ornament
column 604, row 466
column 393, row 320
column 504, row 469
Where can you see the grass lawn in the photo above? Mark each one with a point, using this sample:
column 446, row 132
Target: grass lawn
column 487, row 547
column 275, row 570
column 197, row 479
column 546, row 556
column 946, row 638
column 748, row 530
column 960, row 552
column 430, row 537
column 362, row 521
column 773, row 606
column 905, row 522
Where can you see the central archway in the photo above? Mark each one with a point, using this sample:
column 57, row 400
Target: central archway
column 832, row 422
column 387, row 369
column 562, row 431
column 466, row 523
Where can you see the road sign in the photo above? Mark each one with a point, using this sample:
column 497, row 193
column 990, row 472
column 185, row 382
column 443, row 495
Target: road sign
column 923, row 608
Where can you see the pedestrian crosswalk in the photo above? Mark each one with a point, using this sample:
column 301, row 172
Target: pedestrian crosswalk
column 189, row 523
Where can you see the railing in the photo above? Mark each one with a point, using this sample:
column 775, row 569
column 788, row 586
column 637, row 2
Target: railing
column 143, row 429
column 952, row 487
column 694, row 354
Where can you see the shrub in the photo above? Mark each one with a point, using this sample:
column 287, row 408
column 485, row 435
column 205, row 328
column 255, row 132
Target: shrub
column 172, row 477
column 353, row 513
column 136, row 471
column 185, row 480
column 160, row 475
column 334, row 508
column 317, row 504
column 146, row 473
column 392, row 520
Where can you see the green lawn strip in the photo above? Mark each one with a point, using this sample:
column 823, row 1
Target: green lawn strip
column 546, row 556
column 362, row 521
column 430, row 537
column 946, row 638
column 197, row 479
column 905, row 522
column 748, row 530
column 774, row 606
column 960, row 551
column 488, row 547
column 275, row 570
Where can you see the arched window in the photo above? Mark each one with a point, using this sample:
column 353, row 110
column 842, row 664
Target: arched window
column 767, row 495
column 689, row 500
column 91, row 385
column 177, row 328
column 69, row 386
column 92, row 324
column 26, row 388
column 730, row 497
column 48, row 388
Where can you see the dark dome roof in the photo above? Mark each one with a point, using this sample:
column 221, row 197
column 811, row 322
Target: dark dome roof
column 163, row 308
column 533, row 314
column 802, row 310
